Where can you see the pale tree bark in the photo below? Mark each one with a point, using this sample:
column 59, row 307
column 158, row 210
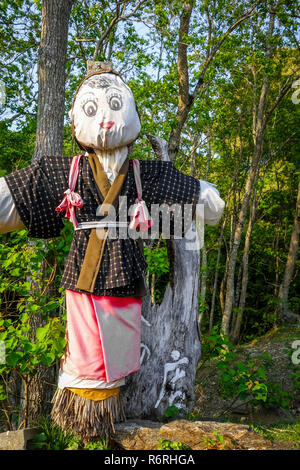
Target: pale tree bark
column 203, row 267
column 203, row 282
column 283, row 311
column 232, row 195
column 213, row 300
column 245, row 263
column 236, row 326
column 239, row 228
column 49, row 141
column 196, row 141
column 236, row 297
column 278, row 231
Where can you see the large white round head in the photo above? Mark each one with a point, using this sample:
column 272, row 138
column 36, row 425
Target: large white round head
column 104, row 113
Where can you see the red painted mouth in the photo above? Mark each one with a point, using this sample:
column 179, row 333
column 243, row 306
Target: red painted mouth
column 106, row 125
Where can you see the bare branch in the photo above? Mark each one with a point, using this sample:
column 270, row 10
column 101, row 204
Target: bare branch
column 84, row 40
column 280, row 96
column 186, row 100
column 114, row 21
column 215, row 49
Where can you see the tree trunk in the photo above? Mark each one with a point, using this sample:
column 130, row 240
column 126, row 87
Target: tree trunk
column 283, row 311
column 245, row 263
column 237, row 236
column 213, row 301
column 170, row 343
column 49, row 141
column 260, row 128
column 51, row 77
column 236, row 299
column 203, row 282
column 184, row 98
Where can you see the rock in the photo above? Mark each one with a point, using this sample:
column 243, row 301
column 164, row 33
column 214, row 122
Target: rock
column 16, row 440
column 137, row 434
column 198, row 435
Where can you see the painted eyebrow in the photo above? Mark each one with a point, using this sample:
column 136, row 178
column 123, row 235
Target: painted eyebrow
column 99, row 80
column 88, row 93
column 114, row 88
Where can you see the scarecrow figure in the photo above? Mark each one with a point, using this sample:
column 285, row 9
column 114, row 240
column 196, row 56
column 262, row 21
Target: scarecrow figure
column 103, row 276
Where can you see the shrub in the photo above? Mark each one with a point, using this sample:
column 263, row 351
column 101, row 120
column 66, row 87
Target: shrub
column 164, row 444
column 52, row 437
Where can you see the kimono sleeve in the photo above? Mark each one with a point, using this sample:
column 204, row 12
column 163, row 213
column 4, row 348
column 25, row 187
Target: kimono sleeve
column 36, row 195
column 172, row 197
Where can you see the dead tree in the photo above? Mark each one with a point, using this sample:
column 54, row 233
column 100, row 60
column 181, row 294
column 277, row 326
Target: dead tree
column 170, row 345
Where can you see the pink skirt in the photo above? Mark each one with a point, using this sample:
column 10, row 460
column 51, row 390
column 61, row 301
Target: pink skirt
column 103, row 336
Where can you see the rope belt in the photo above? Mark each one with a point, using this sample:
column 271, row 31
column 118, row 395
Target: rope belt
column 101, row 224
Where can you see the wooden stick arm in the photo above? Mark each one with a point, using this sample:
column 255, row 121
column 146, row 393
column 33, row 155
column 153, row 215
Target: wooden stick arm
column 160, row 147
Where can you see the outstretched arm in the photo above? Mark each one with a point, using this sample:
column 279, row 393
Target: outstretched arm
column 32, row 194
column 9, row 216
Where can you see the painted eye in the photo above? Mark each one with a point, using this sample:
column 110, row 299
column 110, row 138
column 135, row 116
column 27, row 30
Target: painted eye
column 115, row 101
column 90, row 108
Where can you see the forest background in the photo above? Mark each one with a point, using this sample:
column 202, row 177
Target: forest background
column 223, row 88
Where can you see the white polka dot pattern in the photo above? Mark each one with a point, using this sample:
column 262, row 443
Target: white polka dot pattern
column 38, row 189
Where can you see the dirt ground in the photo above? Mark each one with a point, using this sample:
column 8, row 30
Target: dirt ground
column 210, row 405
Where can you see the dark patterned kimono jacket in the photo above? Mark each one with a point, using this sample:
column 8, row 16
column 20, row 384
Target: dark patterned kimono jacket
column 38, row 189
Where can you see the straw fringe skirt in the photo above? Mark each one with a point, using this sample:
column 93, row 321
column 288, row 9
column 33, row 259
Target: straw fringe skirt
column 87, row 418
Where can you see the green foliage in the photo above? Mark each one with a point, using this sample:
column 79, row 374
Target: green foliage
column 245, row 379
column 164, row 444
column 26, row 348
column 97, row 445
column 157, row 260
column 19, row 42
column 52, row 437
column 277, row 397
column 24, row 354
column 75, row 444
column 217, row 442
column 214, row 344
column 158, row 267
column 171, row 412
column 216, row 144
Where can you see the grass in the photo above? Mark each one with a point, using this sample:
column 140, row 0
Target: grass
column 52, row 437
column 276, row 334
column 280, row 432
